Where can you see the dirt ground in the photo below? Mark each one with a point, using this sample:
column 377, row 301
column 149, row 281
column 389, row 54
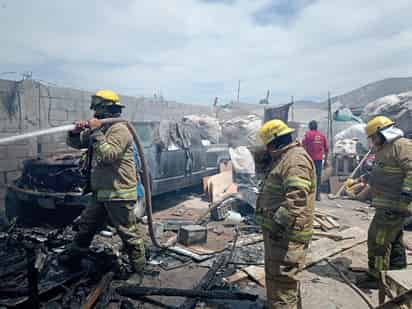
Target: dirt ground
column 322, row 288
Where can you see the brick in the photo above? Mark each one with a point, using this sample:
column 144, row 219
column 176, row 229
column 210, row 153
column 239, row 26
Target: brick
column 192, row 234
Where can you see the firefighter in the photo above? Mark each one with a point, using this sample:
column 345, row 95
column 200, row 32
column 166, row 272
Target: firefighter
column 112, row 176
column 284, row 210
column 391, row 187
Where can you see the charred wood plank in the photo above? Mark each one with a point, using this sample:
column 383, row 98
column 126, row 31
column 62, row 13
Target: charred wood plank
column 99, row 290
column 207, row 280
column 138, row 292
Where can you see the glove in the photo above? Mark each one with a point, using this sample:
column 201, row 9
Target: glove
column 281, row 218
column 276, row 222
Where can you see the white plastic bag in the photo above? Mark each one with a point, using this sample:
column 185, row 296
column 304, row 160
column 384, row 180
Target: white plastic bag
column 242, row 160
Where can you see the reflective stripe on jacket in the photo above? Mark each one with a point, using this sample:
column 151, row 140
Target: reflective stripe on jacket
column 290, row 185
column 113, row 172
column 391, row 177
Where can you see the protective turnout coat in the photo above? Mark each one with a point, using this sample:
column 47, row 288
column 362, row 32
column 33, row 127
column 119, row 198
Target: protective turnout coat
column 113, row 171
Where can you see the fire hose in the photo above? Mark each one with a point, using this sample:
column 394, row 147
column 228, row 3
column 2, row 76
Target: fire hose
column 145, row 172
column 145, row 180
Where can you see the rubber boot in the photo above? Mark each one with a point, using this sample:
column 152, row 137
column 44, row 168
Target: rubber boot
column 367, row 281
column 135, row 279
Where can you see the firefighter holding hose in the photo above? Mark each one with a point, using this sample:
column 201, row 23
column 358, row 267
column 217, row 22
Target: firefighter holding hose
column 111, row 170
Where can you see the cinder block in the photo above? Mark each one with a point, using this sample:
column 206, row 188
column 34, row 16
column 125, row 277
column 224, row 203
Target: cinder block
column 2, row 211
column 10, row 126
column 71, row 105
column 9, row 165
column 12, row 176
column 2, row 179
column 192, row 234
column 53, row 138
column 58, row 115
column 19, row 151
column 3, row 192
column 74, row 115
column 3, row 152
column 54, row 148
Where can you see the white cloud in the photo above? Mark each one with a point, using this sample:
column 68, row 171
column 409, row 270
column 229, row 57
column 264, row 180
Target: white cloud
column 195, row 50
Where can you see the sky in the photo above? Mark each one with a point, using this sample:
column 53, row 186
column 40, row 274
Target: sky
column 195, row 50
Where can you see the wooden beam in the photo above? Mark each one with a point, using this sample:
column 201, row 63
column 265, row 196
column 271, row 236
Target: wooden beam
column 324, row 225
column 256, row 273
column 99, row 290
column 236, row 277
column 325, row 247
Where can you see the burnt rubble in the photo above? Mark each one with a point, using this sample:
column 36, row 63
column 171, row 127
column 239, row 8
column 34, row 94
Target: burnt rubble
column 31, row 277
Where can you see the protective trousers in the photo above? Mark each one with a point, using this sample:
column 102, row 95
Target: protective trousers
column 385, row 247
column 284, row 260
column 121, row 216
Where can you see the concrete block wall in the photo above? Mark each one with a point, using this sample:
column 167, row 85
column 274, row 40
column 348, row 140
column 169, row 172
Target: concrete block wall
column 17, row 115
column 29, row 105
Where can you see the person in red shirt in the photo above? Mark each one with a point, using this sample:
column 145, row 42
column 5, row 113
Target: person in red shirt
column 316, row 146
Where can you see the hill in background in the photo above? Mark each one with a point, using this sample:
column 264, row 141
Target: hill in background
column 358, row 98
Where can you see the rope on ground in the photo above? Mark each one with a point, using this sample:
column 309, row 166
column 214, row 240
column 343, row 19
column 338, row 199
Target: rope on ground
column 354, row 287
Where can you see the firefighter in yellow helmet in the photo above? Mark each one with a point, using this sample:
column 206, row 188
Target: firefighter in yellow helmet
column 284, row 210
column 391, row 186
column 112, row 177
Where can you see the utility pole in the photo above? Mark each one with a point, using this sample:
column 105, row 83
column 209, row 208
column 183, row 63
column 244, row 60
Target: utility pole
column 238, row 92
column 330, row 124
column 215, row 107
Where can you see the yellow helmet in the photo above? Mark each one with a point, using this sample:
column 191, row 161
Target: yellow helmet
column 272, row 130
column 108, row 97
column 376, row 124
